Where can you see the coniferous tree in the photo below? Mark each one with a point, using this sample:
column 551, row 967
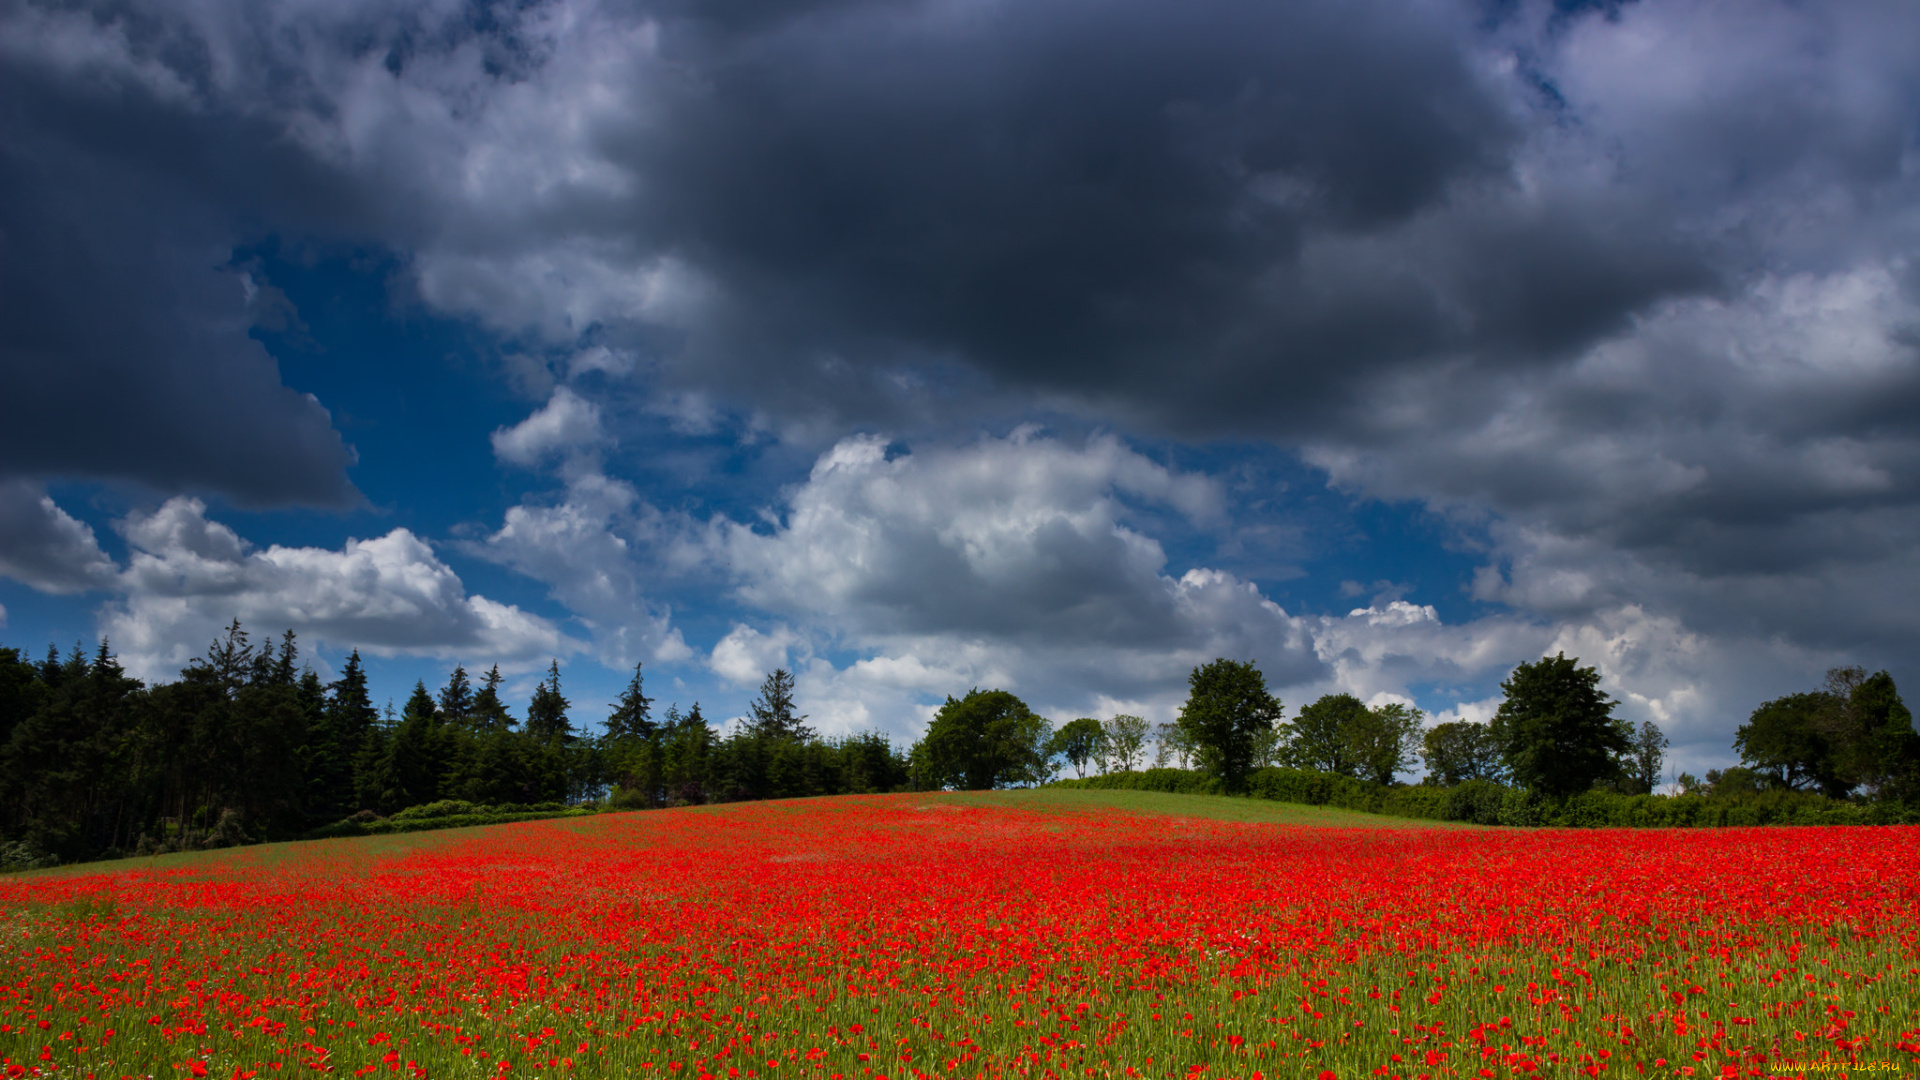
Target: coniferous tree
column 415, row 758
column 456, row 699
column 631, row 718
column 489, row 713
column 547, row 712
column 346, row 724
column 230, row 659
column 773, row 716
column 285, row 669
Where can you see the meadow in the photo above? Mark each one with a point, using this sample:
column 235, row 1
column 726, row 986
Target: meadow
column 1061, row 933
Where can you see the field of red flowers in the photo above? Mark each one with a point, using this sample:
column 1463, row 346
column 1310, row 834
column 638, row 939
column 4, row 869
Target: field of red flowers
column 908, row 936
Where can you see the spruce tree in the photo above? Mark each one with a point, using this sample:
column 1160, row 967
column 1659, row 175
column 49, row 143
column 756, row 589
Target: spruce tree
column 547, row 712
column 773, row 716
column 488, row 712
column 631, row 719
column 456, row 700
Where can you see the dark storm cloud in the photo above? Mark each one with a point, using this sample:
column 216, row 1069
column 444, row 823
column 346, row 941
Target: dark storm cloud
column 123, row 341
column 1184, row 210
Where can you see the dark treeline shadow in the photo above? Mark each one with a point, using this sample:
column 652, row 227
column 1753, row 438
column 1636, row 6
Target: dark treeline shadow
column 249, row 745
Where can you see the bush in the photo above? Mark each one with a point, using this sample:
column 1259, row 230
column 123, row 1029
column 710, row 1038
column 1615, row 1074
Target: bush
column 1477, row 801
column 1484, row 802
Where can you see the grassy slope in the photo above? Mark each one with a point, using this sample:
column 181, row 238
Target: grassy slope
column 1217, row 807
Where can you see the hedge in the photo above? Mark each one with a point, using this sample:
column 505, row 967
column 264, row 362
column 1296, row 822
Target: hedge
column 1487, row 803
column 445, row 814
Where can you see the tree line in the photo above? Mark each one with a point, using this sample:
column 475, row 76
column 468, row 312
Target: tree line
column 1554, row 735
column 249, row 744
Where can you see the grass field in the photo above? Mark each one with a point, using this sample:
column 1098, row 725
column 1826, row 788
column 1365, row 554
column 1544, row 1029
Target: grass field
column 1066, row 933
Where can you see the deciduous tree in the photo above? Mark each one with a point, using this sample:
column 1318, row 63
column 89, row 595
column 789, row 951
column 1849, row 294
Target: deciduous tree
column 1079, row 741
column 1555, row 728
column 988, row 739
column 1227, row 708
column 1459, row 751
column 1126, row 742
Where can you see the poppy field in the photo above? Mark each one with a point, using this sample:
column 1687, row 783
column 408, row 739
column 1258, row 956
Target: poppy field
column 917, row 936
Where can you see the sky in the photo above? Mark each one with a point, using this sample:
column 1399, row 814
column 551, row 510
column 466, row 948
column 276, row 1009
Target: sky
column 924, row 345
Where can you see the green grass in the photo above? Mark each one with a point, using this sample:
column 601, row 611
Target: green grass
column 1216, row 807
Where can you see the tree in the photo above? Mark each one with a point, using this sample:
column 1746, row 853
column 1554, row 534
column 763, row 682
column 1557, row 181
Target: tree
column 1854, row 733
column 547, row 712
column 1785, row 740
column 1126, row 741
column 1079, row 741
column 456, row 700
column 631, row 718
column 488, row 712
column 1459, row 751
column 1323, row 735
column 1647, row 751
column 346, row 723
column 1382, row 742
column 1878, row 748
column 988, row 739
column 1172, row 749
column 773, row 716
column 1227, row 708
column 1555, row 728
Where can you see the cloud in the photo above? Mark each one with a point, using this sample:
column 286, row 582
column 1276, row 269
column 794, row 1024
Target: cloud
column 566, row 422
column 746, row 655
column 1022, row 536
column 188, row 576
column 42, row 547
column 1006, row 562
column 123, row 329
column 576, row 548
column 1629, row 290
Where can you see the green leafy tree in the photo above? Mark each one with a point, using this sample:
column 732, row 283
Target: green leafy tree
column 1126, row 741
column 1384, row 741
column 1647, row 752
column 1227, row 710
column 1079, row 741
column 1555, row 728
column 1323, row 735
column 988, row 739
column 1459, row 751
column 1173, row 749
column 1879, row 749
column 1786, row 741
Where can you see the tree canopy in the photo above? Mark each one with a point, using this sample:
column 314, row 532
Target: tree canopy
column 1555, row 729
column 1079, row 741
column 1461, row 750
column 988, row 739
column 1227, row 709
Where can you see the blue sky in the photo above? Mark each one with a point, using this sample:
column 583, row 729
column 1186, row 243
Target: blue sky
column 918, row 347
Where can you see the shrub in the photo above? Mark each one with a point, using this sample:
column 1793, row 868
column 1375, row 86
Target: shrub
column 1477, row 801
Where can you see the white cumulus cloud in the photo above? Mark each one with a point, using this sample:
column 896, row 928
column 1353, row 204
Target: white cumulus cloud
column 566, row 422
column 189, row 576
